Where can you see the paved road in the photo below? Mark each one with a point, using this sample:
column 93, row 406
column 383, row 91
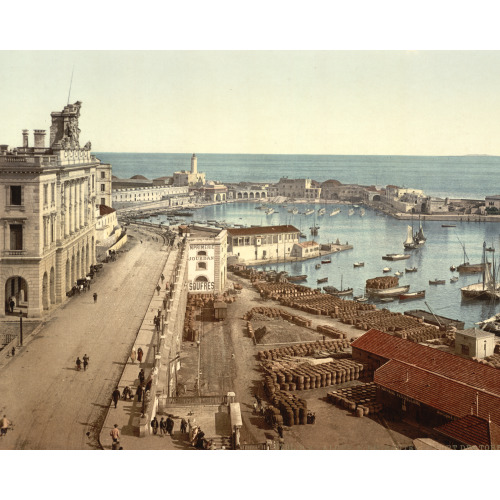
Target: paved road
column 51, row 404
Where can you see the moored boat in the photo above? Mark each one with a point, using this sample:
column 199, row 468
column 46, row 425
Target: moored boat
column 386, row 270
column 388, row 292
column 335, row 212
column 396, row 256
column 321, row 211
column 416, row 240
column 317, row 266
column 437, row 282
column 309, row 211
column 326, row 261
column 411, row 269
column 359, row 264
column 489, row 288
column 351, row 212
column 322, row 280
column 300, row 277
column 448, row 225
column 412, row 295
column 454, row 279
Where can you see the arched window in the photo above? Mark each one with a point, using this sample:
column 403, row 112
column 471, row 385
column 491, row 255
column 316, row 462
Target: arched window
column 201, row 265
column 201, row 252
column 201, row 279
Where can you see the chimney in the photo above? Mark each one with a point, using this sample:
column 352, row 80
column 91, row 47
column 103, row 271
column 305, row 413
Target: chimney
column 25, row 138
column 39, row 138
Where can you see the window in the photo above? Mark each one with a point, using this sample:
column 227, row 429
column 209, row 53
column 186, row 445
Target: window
column 92, row 182
column 103, row 187
column 201, row 265
column 45, row 194
column 53, row 193
column 465, row 349
column 201, row 253
column 103, row 175
column 16, row 236
column 201, row 279
column 103, row 201
column 15, row 195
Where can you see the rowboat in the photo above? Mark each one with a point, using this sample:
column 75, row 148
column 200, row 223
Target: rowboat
column 412, row 295
column 437, row 282
column 322, row 280
column 359, row 264
column 326, row 261
column 454, row 279
column 388, row 292
column 396, row 256
column 300, row 277
column 317, row 266
column 411, row 269
column 386, row 270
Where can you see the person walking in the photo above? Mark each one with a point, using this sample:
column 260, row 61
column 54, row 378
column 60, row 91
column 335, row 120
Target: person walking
column 133, row 355
column 78, row 364
column 140, row 353
column 142, row 376
column 162, row 277
column 163, row 426
column 139, row 392
column 85, row 362
column 12, row 304
column 158, row 288
column 116, row 396
column 4, row 425
column 170, row 425
column 154, row 425
column 183, row 426
column 95, row 297
column 115, row 437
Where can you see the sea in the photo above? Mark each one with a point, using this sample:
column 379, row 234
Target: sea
column 372, row 235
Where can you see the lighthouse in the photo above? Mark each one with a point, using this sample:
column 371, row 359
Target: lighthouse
column 194, row 164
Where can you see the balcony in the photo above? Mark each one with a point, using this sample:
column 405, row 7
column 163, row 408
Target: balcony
column 14, row 253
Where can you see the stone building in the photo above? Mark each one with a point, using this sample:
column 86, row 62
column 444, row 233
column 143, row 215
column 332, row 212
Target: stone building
column 48, row 199
column 474, row 343
column 262, row 243
column 298, row 188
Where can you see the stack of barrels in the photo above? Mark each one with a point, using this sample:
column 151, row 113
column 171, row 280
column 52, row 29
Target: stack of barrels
column 293, row 409
column 274, row 312
column 305, row 349
column 306, row 376
column 190, row 332
column 361, row 399
column 325, row 304
column 331, row 331
column 382, row 282
column 279, row 290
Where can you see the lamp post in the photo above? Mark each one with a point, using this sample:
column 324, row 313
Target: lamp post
column 21, row 328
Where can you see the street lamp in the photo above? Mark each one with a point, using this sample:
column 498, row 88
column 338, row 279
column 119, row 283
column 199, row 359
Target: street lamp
column 21, row 328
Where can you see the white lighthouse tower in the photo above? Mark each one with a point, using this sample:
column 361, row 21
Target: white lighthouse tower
column 194, row 164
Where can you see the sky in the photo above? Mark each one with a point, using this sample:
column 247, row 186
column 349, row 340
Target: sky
column 261, row 102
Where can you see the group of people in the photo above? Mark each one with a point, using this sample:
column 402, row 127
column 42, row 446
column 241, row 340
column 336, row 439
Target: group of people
column 85, row 362
column 165, row 426
column 136, row 355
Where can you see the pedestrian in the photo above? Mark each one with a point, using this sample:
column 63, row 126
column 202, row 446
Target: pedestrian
column 78, row 363
column 133, row 355
column 167, row 286
column 154, row 425
column 158, row 288
column 142, row 376
column 5, row 422
column 116, row 396
column 183, row 425
column 200, row 442
column 12, row 304
column 163, row 426
column 126, row 394
column 95, row 297
column 140, row 390
column 140, row 353
column 280, row 430
column 85, row 362
column 141, row 242
column 13, row 351
column 170, row 425
column 162, row 277
column 115, row 436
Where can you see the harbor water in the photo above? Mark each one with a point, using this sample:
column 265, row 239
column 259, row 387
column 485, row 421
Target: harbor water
column 372, row 236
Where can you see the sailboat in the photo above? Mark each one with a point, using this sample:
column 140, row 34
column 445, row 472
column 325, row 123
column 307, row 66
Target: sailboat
column 472, row 268
column 488, row 288
column 414, row 240
column 337, row 293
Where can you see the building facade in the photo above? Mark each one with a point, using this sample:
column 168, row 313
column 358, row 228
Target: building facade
column 262, row 243
column 48, row 201
column 126, row 197
column 192, row 177
column 298, row 188
column 207, row 259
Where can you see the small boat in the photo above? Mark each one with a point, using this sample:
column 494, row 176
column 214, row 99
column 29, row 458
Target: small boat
column 326, row 261
column 302, row 235
column 387, row 299
column 437, row 282
column 453, row 268
column 321, row 211
column 386, row 270
column 412, row 295
column 396, row 256
column 309, row 211
column 411, row 269
column 335, row 212
column 454, row 279
column 322, row 280
column 270, row 211
column 300, row 277
column 416, row 240
column 360, row 298
column 295, row 211
column 351, row 212
column 336, row 292
column 317, row 266
column 359, row 264
column 388, row 292
column 398, row 273
column 356, row 206
column 490, row 249
column 448, row 225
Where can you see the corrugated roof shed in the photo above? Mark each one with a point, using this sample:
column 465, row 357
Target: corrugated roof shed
column 472, row 431
column 448, row 365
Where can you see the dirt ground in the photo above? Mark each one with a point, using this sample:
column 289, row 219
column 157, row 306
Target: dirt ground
column 335, row 428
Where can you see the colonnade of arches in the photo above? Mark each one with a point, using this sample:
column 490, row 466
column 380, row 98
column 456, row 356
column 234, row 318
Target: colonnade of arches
column 250, row 195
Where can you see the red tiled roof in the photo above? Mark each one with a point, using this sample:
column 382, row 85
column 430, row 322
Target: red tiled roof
column 437, row 391
column 246, row 231
column 105, row 210
column 449, row 365
column 473, row 431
